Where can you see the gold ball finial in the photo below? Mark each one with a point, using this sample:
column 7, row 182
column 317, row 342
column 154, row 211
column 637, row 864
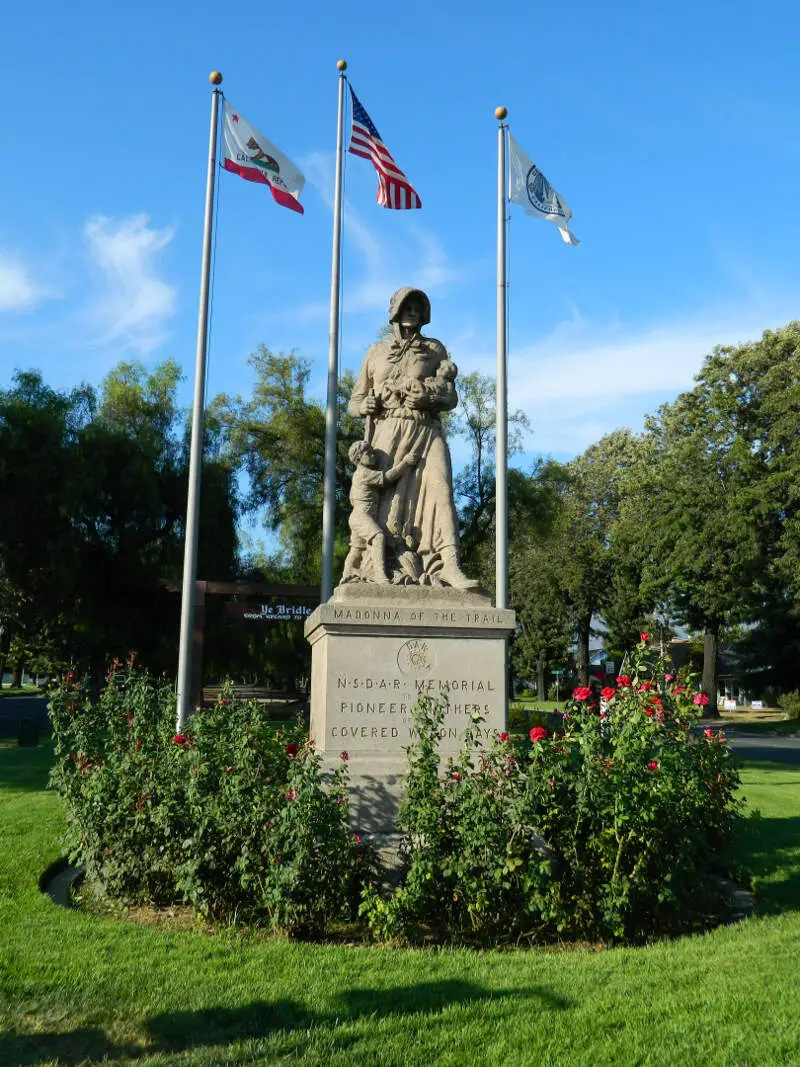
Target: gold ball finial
column 500, row 113
column 341, row 64
column 215, row 77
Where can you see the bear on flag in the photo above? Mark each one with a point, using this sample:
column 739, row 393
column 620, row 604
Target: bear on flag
column 249, row 154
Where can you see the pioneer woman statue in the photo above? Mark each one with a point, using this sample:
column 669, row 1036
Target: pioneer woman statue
column 405, row 382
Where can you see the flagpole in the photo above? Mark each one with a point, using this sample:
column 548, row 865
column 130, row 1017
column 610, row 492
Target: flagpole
column 331, row 409
column 501, row 402
column 196, row 447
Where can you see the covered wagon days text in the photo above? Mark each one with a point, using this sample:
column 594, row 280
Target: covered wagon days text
column 377, row 701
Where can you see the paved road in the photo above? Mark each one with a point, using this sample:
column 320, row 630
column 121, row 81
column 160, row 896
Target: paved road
column 760, row 747
column 14, row 709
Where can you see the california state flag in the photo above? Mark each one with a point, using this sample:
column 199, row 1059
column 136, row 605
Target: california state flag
column 250, row 155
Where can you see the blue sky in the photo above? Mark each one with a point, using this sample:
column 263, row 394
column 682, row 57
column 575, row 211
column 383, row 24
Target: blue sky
column 671, row 130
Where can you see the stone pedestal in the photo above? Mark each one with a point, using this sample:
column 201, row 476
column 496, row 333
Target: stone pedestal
column 375, row 649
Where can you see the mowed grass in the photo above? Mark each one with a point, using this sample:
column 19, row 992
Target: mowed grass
column 763, row 724
column 77, row 989
column 20, row 691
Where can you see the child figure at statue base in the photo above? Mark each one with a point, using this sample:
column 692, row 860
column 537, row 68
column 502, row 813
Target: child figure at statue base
column 365, row 531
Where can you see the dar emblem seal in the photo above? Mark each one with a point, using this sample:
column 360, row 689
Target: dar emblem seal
column 543, row 196
column 416, row 657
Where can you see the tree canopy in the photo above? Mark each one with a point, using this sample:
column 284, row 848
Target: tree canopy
column 695, row 521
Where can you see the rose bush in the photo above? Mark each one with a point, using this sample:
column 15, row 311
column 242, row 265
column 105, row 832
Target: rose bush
column 609, row 827
column 232, row 816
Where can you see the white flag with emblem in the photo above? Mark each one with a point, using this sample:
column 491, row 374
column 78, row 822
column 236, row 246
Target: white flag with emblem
column 529, row 187
column 250, row 155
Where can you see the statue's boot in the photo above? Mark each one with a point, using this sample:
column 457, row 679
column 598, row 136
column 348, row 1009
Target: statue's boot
column 377, row 552
column 451, row 573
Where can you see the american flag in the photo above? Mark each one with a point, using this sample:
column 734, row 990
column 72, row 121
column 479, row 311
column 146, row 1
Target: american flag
column 394, row 190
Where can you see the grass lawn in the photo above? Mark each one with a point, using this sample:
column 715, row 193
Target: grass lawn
column 759, row 723
column 20, row 691
column 536, row 705
column 76, row 988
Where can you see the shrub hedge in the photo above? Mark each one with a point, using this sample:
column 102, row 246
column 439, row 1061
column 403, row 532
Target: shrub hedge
column 608, row 825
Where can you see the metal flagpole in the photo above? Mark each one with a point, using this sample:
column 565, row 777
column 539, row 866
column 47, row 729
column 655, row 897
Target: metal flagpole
column 331, row 410
column 501, row 401
column 196, row 448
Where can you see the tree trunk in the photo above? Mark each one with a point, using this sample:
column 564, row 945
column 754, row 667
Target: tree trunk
column 710, row 670
column 16, row 675
column 541, row 692
column 584, row 626
column 5, row 645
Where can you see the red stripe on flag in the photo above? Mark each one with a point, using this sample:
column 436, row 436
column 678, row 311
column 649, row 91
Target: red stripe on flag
column 394, row 190
column 254, row 174
column 280, row 196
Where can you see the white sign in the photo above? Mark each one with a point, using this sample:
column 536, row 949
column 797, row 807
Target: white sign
column 757, row 704
column 729, row 705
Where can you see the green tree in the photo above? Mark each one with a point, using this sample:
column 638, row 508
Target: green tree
column 39, row 540
column 475, row 421
column 278, row 436
column 703, row 546
column 544, row 625
column 583, row 551
column 95, row 487
column 750, row 396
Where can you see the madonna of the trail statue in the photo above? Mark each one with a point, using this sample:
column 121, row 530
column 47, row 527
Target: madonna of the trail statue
column 403, row 525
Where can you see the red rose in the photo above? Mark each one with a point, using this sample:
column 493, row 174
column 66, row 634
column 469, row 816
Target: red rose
column 700, row 699
column 648, row 712
column 344, row 756
column 179, row 739
column 655, row 700
column 292, row 749
column 623, row 679
column 504, row 736
column 608, row 693
column 583, row 692
column 645, row 637
column 652, row 765
column 709, row 734
column 538, row 733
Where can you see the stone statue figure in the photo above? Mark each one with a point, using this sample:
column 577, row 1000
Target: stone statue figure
column 404, row 520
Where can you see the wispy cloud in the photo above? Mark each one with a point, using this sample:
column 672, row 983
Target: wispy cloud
column 382, row 265
column 584, row 380
column 135, row 303
column 577, row 362
column 18, row 290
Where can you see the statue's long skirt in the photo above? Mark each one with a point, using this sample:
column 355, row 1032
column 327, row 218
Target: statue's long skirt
column 417, row 511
